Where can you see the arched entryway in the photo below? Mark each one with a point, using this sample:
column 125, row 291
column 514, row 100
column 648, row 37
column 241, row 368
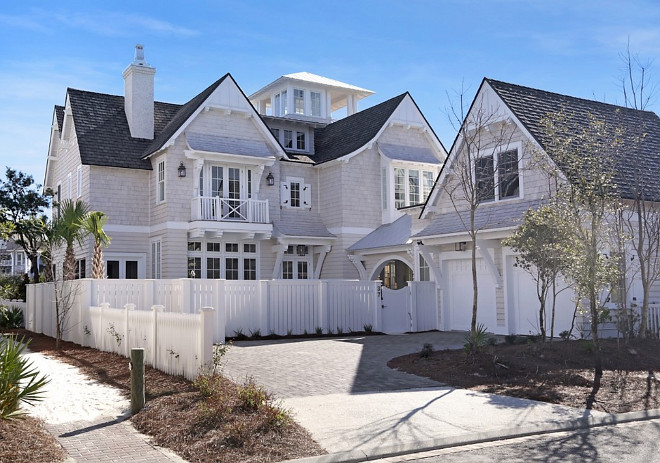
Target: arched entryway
column 395, row 295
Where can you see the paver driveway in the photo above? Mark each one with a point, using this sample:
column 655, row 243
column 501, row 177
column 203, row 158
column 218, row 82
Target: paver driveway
column 312, row 367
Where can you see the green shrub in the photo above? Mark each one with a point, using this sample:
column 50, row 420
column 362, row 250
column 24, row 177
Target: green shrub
column 11, row 317
column 318, row 330
column 475, row 340
column 368, row 328
column 12, row 287
column 20, row 383
column 239, row 335
column 426, row 351
column 252, row 396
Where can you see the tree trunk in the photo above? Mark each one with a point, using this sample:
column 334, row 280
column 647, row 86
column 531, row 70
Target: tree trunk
column 98, row 267
column 34, row 261
column 69, row 268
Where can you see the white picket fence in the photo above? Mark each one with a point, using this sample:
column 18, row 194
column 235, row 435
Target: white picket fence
column 175, row 343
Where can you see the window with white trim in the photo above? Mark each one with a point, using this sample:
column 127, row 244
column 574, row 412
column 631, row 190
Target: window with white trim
column 79, row 181
column 300, row 141
column 315, row 98
column 222, row 259
column 287, row 140
column 296, row 263
column 295, row 193
column 411, row 186
column 281, row 104
column 298, row 101
column 155, row 259
column 160, row 189
column 497, row 176
column 424, row 270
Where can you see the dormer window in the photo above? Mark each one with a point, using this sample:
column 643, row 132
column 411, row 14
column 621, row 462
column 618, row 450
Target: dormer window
column 300, row 141
column 287, row 141
column 497, row 176
column 299, row 101
column 281, row 106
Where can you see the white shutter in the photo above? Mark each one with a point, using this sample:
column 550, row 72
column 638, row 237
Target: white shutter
column 285, row 195
column 306, row 196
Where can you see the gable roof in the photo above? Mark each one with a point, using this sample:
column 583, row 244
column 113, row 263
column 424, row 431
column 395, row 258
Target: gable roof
column 353, row 132
column 104, row 137
column 396, row 233
column 530, row 106
column 181, row 116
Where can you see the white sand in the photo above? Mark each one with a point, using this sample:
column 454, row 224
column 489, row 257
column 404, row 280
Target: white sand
column 71, row 396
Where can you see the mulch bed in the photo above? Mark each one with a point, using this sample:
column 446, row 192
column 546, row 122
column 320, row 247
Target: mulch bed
column 172, row 414
column 26, row 441
column 561, row 372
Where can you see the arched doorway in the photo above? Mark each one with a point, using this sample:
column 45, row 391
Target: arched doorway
column 395, row 296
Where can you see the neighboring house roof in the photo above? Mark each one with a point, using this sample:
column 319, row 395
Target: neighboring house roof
column 301, row 224
column 408, row 153
column 181, row 116
column 530, row 106
column 392, row 234
column 59, row 114
column 353, row 132
column 504, row 214
column 218, row 144
column 104, row 138
column 316, row 79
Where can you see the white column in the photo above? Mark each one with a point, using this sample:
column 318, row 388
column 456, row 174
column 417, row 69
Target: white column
column 277, row 270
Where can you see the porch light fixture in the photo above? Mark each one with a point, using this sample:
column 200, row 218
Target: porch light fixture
column 270, row 179
column 301, row 250
column 181, row 170
column 460, row 246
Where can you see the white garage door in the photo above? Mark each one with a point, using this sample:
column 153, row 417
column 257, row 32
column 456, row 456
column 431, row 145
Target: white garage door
column 523, row 304
column 458, row 298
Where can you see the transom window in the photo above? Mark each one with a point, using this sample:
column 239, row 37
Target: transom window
column 497, row 176
column 228, row 260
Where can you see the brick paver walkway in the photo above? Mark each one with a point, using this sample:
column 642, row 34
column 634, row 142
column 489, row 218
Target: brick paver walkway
column 336, row 365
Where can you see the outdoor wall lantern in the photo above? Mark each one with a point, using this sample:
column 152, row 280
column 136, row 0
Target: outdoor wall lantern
column 301, row 250
column 270, row 179
column 181, row 170
column 460, row 246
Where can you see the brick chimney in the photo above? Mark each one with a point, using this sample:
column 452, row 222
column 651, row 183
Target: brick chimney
column 139, row 96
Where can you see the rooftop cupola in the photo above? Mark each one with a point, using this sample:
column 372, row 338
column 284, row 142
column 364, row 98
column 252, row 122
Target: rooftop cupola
column 139, row 96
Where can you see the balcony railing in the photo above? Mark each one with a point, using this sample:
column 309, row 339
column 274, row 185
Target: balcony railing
column 230, row 210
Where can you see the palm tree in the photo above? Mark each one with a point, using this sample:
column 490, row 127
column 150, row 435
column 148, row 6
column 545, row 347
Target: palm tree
column 93, row 224
column 68, row 226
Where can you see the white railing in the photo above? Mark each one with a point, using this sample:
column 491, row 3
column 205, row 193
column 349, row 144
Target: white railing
column 230, row 210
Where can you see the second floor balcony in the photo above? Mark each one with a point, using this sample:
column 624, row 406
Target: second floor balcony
column 215, row 208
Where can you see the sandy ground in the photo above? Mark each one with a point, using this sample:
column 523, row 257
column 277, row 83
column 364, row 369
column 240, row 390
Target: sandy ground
column 70, row 396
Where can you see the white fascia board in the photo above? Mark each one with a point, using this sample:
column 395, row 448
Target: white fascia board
column 382, row 250
column 491, row 234
column 308, row 240
column 228, row 158
column 350, row 230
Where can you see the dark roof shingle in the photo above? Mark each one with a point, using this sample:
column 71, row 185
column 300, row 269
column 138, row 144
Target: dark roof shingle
column 636, row 162
column 351, row 133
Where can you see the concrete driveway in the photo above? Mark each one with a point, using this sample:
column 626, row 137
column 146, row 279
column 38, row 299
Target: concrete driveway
column 342, row 391
column 303, row 368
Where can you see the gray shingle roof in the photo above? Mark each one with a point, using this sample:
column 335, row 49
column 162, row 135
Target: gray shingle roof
column 637, row 162
column 391, row 234
column 351, row 133
column 218, row 144
column 301, row 223
column 103, row 135
column 505, row 214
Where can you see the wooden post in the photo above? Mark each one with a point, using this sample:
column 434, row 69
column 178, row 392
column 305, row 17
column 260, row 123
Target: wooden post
column 137, row 380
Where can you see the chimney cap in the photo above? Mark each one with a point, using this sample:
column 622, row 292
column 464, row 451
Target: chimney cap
column 139, row 56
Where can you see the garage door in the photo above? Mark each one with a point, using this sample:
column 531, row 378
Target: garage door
column 523, row 304
column 458, row 296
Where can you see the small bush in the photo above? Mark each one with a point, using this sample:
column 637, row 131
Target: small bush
column 318, row 330
column 256, row 334
column 426, row 351
column 252, row 396
column 20, row 383
column 475, row 340
column 239, row 335
column 368, row 328
column 340, row 331
column 11, row 317
column 12, row 287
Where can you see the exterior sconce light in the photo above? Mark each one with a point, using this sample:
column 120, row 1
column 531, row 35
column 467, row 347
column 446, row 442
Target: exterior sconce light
column 270, row 179
column 181, row 170
column 460, row 246
column 301, row 250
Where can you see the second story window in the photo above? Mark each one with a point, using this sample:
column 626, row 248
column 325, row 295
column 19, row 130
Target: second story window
column 298, row 101
column 497, row 176
column 79, row 181
column 411, row 186
column 160, row 191
column 300, row 140
column 288, row 139
column 295, row 193
column 507, row 171
column 315, row 98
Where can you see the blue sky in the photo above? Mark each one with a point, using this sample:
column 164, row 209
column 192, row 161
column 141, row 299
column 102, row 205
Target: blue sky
column 430, row 48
